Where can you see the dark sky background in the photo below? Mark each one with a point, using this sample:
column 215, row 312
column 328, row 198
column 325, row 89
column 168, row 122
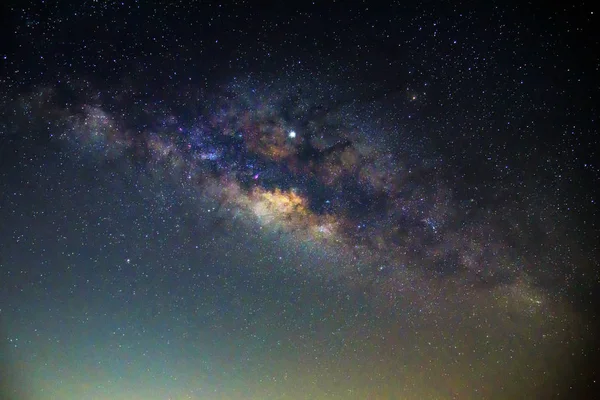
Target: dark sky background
column 322, row 200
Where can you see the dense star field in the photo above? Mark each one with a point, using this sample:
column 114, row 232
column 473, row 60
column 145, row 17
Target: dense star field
column 321, row 201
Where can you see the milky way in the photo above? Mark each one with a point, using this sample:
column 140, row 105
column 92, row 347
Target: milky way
column 333, row 184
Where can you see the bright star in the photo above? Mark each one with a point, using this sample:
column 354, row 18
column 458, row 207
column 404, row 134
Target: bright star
column 292, row 134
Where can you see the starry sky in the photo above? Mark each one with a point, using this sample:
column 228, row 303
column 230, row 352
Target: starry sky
column 311, row 200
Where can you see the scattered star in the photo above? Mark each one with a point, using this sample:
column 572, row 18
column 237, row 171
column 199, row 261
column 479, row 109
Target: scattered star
column 427, row 229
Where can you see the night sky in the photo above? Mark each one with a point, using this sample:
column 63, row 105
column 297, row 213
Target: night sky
column 312, row 200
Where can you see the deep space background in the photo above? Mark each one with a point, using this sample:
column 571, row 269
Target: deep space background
column 298, row 200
